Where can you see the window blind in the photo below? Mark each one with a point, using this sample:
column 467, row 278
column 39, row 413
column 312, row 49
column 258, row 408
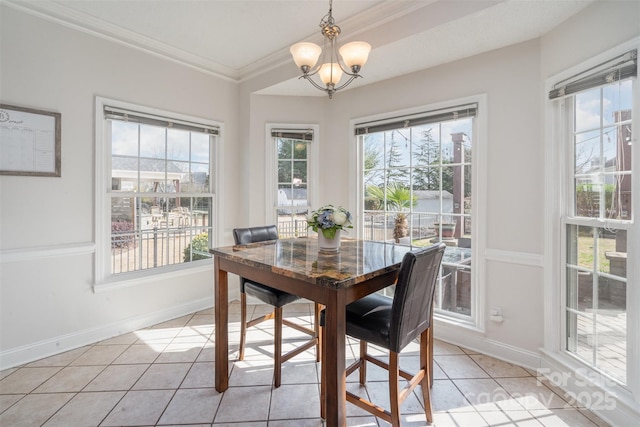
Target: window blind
column 113, row 113
column 299, row 134
column 434, row 116
column 616, row 69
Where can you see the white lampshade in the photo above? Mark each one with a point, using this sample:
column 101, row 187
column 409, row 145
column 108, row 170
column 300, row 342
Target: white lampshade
column 330, row 73
column 355, row 53
column 305, row 54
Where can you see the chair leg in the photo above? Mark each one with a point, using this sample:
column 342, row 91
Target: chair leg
column 394, row 391
column 277, row 353
column 363, row 362
column 316, row 327
column 243, row 324
column 426, row 358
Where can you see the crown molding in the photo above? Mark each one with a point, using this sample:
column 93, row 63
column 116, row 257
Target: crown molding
column 85, row 23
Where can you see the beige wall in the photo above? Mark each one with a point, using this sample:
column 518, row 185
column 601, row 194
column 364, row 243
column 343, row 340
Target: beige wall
column 47, row 224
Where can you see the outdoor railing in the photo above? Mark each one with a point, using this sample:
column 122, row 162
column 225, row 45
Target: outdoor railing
column 157, row 247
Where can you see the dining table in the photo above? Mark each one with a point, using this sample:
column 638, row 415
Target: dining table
column 332, row 279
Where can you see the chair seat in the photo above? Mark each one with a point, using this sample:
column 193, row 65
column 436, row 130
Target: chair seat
column 269, row 295
column 368, row 319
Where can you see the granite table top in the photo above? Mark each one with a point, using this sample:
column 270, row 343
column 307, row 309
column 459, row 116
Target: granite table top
column 300, row 258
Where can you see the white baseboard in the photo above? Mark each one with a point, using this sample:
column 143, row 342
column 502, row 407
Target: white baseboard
column 31, row 352
column 602, row 396
column 475, row 340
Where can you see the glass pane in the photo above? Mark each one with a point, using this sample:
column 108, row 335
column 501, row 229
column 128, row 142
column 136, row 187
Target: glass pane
column 617, row 102
column 177, row 144
column 622, row 150
column 373, row 151
column 124, row 173
column 584, row 337
column 177, row 175
column 585, row 247
column 198, row 180
column 450, row 153
column 374, row 177
column 284, row 171
column 299, row 194
column 587, row 110
column 588, row 196
column 151, row 184
column 123, row 209
column 607, row 241
column 426, row 147
column 200, row 147
column 124, row 138
column 299, row 172
column 450, row 175
column 152, row 142
column 587, row 153
column 285, row 195
column 285, row 148
column 399, row 148
column 300, row 150
column 374, row 198
column 611, row 330
column 427, row 179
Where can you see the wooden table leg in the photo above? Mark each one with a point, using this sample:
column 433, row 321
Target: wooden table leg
column 221, row 309
column 333, row 361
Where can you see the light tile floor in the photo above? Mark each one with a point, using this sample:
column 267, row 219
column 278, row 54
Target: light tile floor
column 163, row 375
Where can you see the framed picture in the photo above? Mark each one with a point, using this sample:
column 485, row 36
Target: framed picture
column 29, row 142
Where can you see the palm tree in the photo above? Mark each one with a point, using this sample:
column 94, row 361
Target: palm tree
column 395, row 197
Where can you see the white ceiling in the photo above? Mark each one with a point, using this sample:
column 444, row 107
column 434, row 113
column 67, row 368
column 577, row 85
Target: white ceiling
column 238, row 40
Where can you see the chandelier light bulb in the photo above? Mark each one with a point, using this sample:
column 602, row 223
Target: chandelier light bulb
column 355, row 54
column 305, row 54
column 330, row 73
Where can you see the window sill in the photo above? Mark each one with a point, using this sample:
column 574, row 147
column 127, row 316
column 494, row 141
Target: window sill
column 145, row 278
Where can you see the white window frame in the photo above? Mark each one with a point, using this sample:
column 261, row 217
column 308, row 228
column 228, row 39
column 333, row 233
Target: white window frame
column 617, row 405
column 271, row 169
column 475, row 322
column 103, row 279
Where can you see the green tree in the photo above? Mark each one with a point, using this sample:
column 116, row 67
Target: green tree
column 426, row 175
column 394, row 160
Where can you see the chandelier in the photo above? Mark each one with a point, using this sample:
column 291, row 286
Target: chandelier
column 354, row 56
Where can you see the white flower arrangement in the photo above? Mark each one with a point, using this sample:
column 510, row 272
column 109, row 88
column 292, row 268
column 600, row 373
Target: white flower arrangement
column 329, row 219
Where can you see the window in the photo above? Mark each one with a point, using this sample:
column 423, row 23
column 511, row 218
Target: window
column 157, row 210
column 599, row 223
column 417, row 189
column 290, row 189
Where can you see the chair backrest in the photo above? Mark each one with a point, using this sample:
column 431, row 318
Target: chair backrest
column 413, row 298
column 244, row 236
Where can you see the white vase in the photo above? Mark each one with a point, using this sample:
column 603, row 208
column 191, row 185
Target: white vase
column 329, row 245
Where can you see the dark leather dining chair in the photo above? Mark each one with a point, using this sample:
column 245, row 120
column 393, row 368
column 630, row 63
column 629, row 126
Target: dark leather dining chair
column 278, row 299
column 392, row 323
